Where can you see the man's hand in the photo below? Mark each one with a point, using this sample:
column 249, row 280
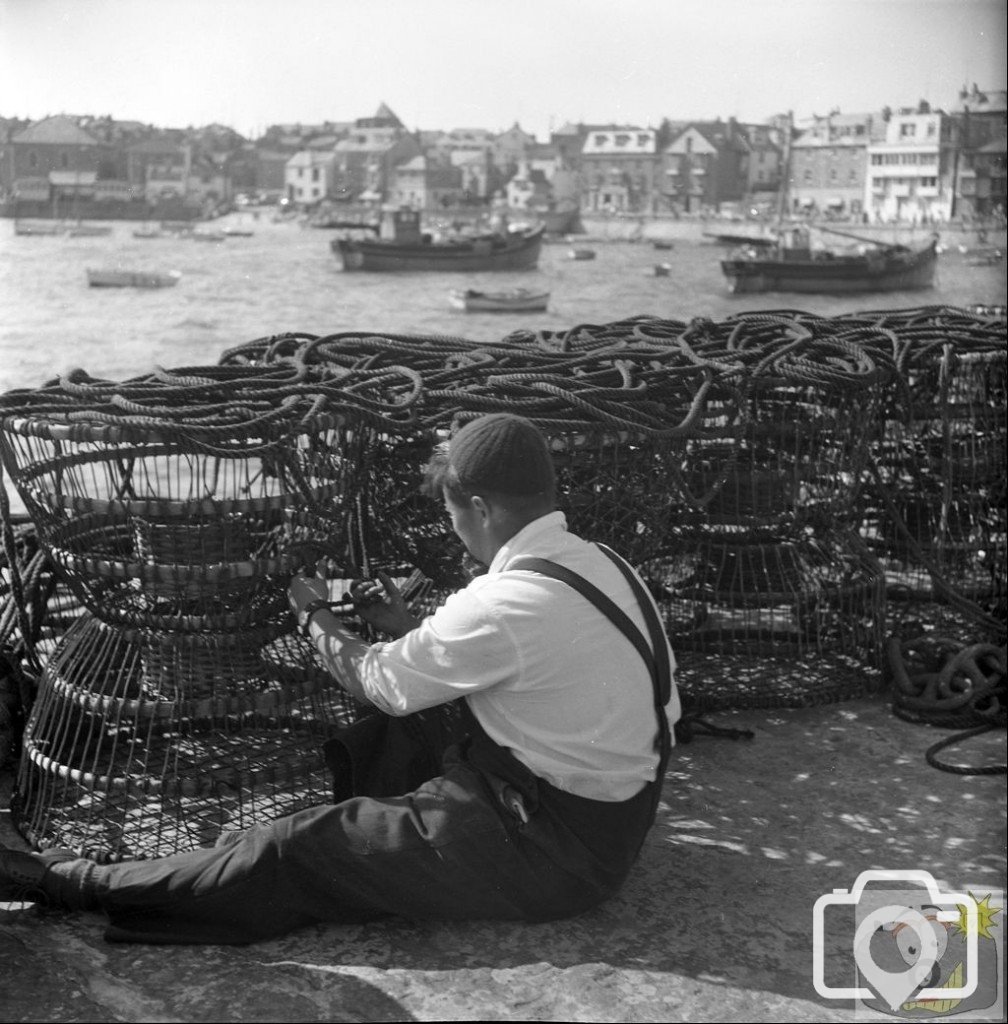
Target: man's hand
column 303, row 589
column 380, row 604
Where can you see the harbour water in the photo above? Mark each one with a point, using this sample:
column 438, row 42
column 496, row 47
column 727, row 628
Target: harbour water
column 285, row 278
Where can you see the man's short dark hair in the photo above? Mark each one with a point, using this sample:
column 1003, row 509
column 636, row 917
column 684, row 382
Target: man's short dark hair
column 504, row 458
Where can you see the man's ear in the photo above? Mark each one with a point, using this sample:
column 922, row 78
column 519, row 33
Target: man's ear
column 481, row 506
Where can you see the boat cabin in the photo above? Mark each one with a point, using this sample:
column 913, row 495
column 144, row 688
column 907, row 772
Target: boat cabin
column 402, row 226
column 795, row 243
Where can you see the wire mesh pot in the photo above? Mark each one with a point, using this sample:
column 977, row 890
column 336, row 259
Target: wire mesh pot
column 145, row 744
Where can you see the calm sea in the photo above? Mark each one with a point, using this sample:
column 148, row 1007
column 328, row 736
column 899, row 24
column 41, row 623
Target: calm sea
column 285, row 278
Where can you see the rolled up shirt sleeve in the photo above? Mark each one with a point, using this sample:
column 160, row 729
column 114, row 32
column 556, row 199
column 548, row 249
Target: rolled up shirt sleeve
column 464, row 647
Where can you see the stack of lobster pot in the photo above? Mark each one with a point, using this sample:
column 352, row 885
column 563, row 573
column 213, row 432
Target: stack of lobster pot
column 181, row 703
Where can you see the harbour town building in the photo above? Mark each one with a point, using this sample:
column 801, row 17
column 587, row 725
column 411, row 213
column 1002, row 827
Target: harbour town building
column 704, row 165
column 979, row 173
column 910, row 173
column 618, row 168
column 828, row 162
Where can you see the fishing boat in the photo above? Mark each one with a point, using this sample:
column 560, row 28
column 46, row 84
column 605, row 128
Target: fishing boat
column 40, row 227
column 790, row 262
column 132, row 278
column 517, row 300
column 760, row 240
column 794, row 266
column 81, row 230
column 409, row 249
column 662, row 243
column 581, row 254
column 986, row 256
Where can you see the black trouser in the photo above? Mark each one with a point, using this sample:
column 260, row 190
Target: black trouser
column 484, row 838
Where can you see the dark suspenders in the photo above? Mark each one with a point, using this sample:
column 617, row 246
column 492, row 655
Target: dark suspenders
column 655, row 655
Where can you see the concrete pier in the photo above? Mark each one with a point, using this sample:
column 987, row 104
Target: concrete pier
column 715, row 922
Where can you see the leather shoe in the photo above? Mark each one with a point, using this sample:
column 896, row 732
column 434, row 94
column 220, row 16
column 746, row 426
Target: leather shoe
column 21, row 873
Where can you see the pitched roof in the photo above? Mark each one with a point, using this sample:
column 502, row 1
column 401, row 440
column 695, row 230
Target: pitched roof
column 59, row 130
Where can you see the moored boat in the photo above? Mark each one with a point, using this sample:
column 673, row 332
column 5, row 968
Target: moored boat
column 516, row 300
column 582, row 254
column 662, row 269
column 40, row 227
column 81, row 230
column 114, row 278
column 793, row 266
column 411, row 250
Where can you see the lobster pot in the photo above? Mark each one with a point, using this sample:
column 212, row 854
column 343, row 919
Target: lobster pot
column 938, row 501
column 779, row 452
column 613, row 489
column 142, row 744
column 394, row 523
column 764, row 595
column 149, row 528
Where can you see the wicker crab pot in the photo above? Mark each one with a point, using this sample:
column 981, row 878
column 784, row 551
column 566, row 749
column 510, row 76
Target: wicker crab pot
column 181, row 703
column 936, row 501
column 761, row 570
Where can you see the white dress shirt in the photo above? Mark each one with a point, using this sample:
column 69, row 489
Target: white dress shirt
column 546, row 674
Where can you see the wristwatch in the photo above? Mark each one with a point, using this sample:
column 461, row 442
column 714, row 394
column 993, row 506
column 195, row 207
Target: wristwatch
column 308, row 611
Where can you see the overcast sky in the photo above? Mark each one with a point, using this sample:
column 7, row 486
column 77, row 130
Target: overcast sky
column 489, row 63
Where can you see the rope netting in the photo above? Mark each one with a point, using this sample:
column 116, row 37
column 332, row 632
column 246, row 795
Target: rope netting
column 763, row 472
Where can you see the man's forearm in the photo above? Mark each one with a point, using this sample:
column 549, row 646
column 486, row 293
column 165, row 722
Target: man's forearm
column 341, row 650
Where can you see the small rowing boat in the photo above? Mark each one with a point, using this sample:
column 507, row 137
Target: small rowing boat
column 132, row 278
column 516, row 300
column 582, row 254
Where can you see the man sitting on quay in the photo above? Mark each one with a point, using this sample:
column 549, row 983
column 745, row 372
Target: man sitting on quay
column 530, row 801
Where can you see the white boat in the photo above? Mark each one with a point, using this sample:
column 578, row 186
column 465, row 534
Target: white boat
column 516, row 300
column 582, row 254
column 38, row 227
column 132, row 278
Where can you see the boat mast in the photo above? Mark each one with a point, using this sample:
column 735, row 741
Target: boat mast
column 786, row 173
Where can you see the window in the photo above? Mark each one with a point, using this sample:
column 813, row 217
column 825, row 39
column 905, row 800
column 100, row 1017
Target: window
column 33, row 159
column 64, row 160
column 600, row 140
column 908, row 130
column 314, row 174
column 642, row 140
column 622, row 139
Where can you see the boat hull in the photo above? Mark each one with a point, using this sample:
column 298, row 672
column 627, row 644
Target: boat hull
column 517, row 253
column 491, row 302
column 907, row 271
column 131, row 279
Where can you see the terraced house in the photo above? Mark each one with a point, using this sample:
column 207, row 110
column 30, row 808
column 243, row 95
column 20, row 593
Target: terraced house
column 618, row 170
column 829, row 160
column 910, row 172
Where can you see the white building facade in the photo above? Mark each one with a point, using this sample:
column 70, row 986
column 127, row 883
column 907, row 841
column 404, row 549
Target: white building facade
column 908, row 179
column 308, row 176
